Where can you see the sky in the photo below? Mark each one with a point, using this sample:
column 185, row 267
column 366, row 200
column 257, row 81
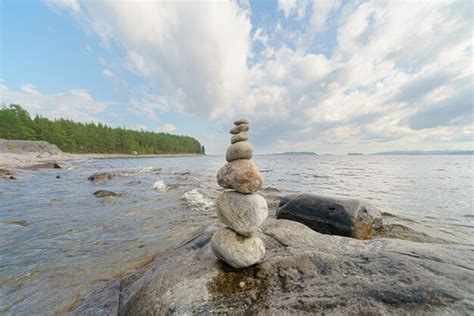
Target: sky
column 322, row 76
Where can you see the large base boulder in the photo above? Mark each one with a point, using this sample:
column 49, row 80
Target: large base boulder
column 329, row 215
column 306, row 272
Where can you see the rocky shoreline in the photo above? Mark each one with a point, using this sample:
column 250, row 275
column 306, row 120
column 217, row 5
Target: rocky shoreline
column 20, row 154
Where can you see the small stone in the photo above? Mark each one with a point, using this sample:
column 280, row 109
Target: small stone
column 240, row 150
column 104, row 193
column 242, row 284
column 240, row 128
column 240, row 137
column 243, row 213
column 101, row 177
column 235, row 250
column 241, row 121
column 240, row 175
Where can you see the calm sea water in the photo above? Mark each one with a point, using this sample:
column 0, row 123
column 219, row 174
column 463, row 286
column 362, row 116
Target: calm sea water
column 59, row 242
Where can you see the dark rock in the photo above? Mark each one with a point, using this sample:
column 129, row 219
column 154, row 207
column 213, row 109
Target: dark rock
column 58, row 177
column 306, row 272
column 104, row 193
column 328, row 215
column 6, row 174
column 46, row 165
column 101, row 177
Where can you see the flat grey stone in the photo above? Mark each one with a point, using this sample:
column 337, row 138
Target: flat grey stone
column 241, row 121
column 240, row 137
column 239, row 128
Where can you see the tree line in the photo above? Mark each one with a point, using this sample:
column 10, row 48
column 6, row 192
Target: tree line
column 75, row 137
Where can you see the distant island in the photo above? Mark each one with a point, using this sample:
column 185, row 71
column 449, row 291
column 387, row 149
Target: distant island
column 297, row 153
column 430, row 152
column 81, row 138
column 354, row 154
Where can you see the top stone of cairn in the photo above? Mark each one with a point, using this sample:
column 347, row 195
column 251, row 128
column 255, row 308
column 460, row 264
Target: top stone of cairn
column 241, row 121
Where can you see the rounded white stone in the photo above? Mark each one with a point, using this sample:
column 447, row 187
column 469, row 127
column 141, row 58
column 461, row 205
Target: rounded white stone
column 243, row 213
column 235, row 250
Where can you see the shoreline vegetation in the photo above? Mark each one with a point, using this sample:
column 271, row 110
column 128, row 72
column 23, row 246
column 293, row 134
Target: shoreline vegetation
column 84, row 138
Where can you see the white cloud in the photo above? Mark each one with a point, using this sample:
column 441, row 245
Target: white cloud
column 168, row 128
column 390, row 73
column 198, row 50
column 73, row 104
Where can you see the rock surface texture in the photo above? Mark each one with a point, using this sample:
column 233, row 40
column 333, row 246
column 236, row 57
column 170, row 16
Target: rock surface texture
column 240, row 137
column 241, row 175
column 241, row 210
column 240, row 150
column 236, row 250
column 243, row 213
column 308, row 273
column 335, row 216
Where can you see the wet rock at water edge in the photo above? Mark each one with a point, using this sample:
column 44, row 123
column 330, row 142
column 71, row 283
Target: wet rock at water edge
column 240, row 150
column 240, row 128
column 241, row 175
column 6, row 174
column 46, row 165
column 240, row 137
column 105, row 193
column 243, row 213
column 235, row 250
column 241, row 121
column 329, row 215
column 101, row 177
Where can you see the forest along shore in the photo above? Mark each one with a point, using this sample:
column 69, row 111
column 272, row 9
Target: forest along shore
column 24, row 153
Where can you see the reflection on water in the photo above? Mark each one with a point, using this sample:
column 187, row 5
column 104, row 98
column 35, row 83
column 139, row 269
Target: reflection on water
column 59, row 240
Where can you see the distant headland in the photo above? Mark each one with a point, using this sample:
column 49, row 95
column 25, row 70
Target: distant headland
column 430, row 152
column 297, row 153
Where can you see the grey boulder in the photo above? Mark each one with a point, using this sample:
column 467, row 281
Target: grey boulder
column 240, row 175
column 329, row 215
column 235, row 250
column 307, row 273
column 240, row 150
column 240, row 137
column 239, row 128
column 243, row 213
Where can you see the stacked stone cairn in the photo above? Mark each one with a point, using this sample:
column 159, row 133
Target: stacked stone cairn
column 240, row 209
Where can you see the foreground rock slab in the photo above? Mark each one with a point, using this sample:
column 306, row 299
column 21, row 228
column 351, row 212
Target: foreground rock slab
column 306, row 272
column 329, row 215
